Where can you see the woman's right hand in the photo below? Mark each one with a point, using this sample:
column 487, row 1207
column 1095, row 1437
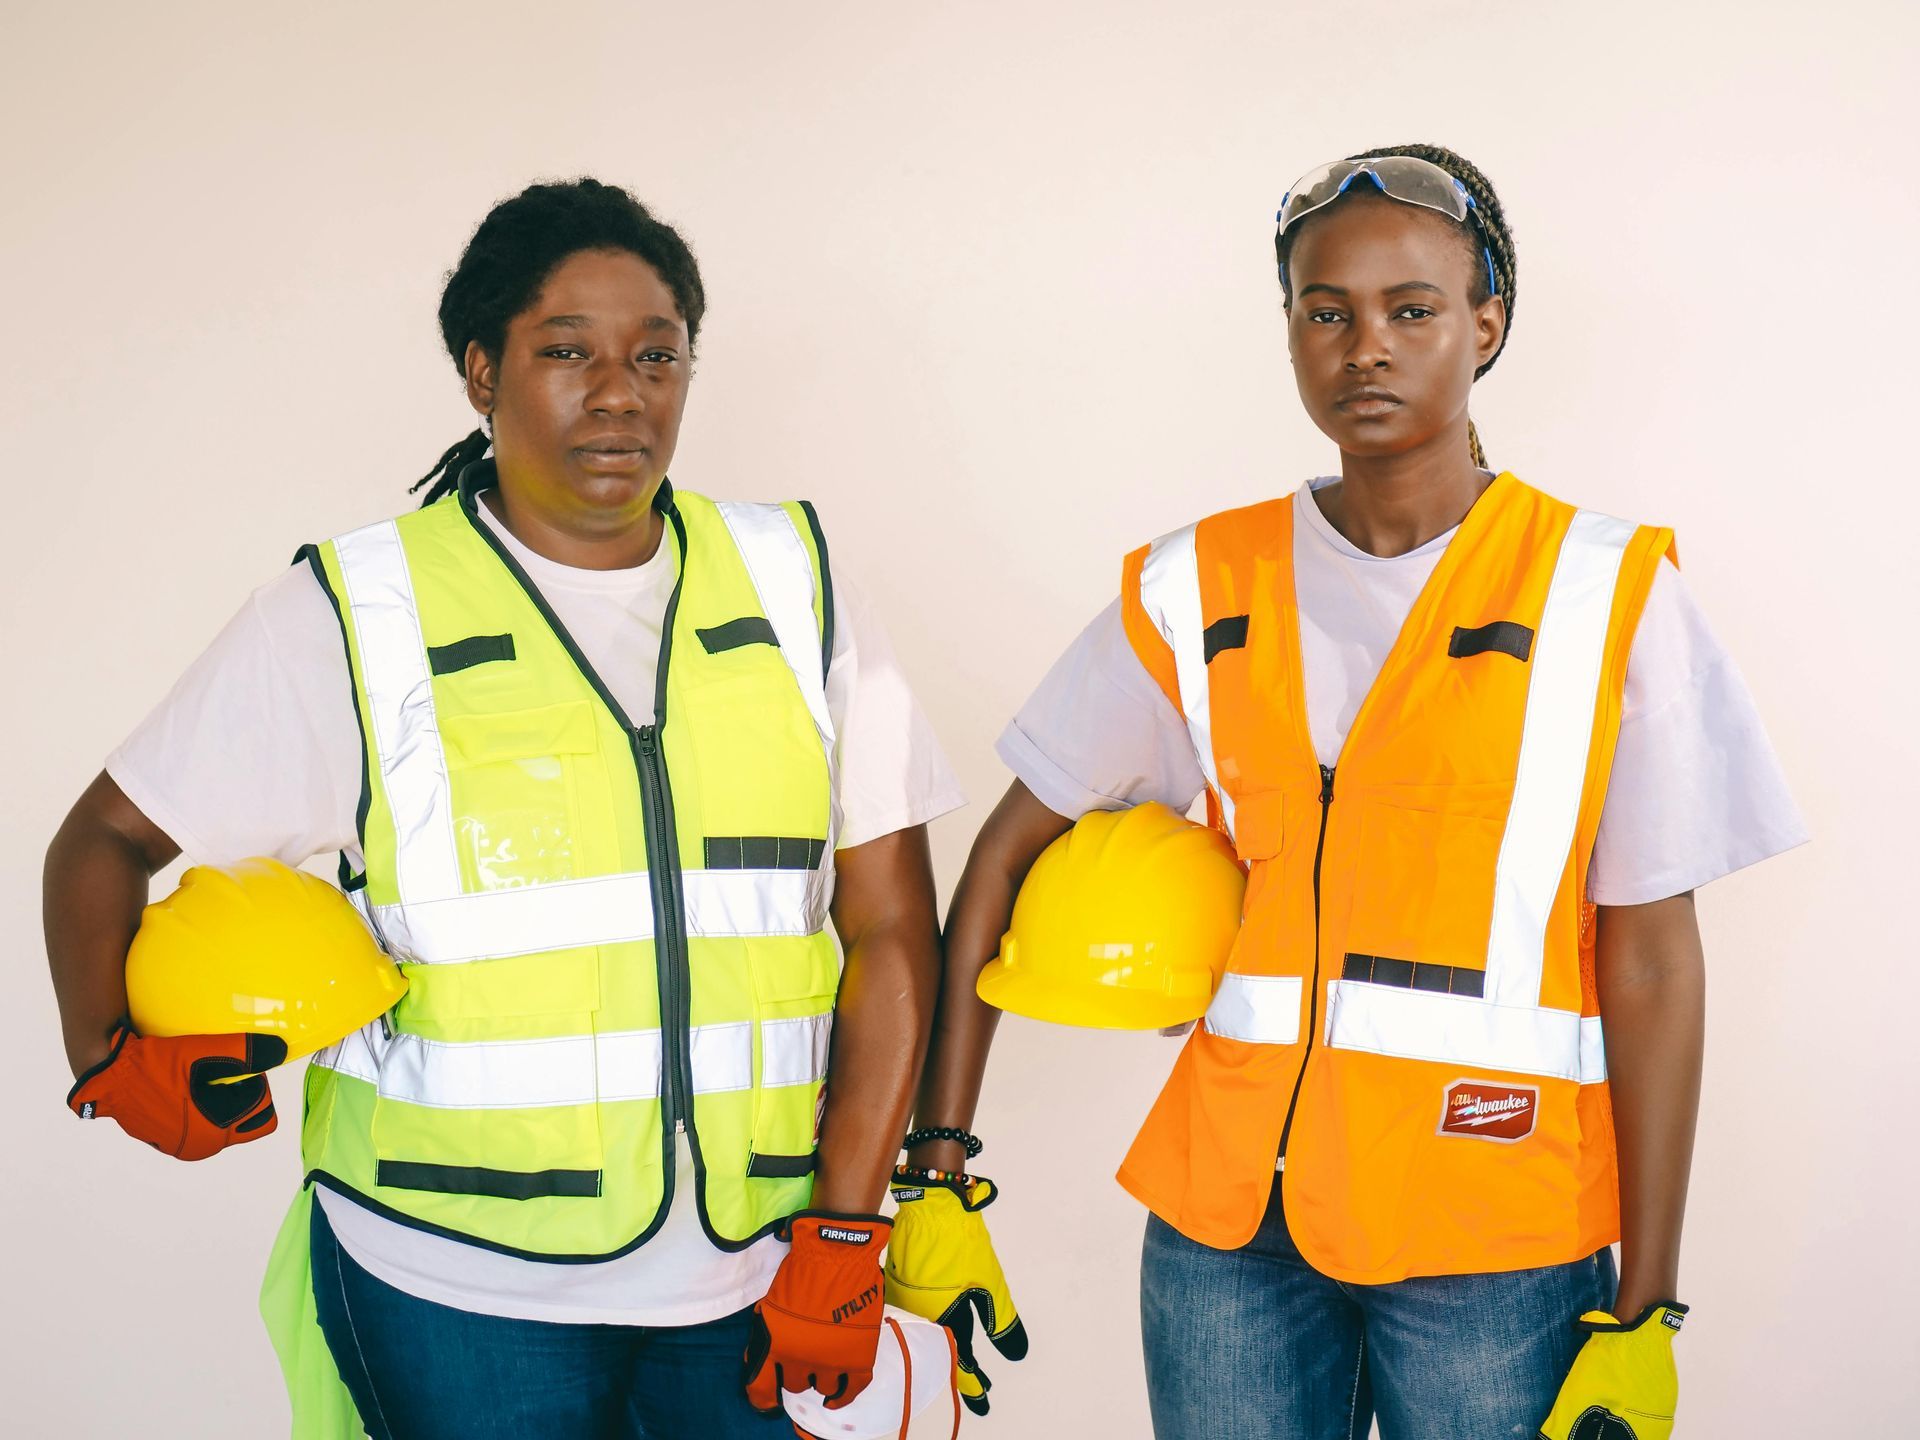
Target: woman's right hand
column 188, row 1096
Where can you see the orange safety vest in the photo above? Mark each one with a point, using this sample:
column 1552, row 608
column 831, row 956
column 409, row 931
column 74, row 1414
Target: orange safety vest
column 1409, row 1013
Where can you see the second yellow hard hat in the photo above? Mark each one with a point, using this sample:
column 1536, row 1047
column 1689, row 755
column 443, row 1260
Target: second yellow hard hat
column 1124, row 922
column 258, row 946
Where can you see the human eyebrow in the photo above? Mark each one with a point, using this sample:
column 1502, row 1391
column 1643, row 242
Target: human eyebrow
column 1415, row 285
column 584, row 322
column 1323, row 290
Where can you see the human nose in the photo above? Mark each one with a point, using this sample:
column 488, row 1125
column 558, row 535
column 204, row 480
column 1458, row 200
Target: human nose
column 614, row 388
column 1367, row 346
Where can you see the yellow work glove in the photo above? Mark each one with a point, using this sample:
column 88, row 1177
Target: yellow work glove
column 1623, row 1385
column 941, row 1266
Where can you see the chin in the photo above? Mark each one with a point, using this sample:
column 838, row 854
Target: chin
column 601, row 491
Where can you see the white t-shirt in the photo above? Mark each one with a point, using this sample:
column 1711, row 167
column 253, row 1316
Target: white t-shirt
column 256, row 751
column 1696, row 790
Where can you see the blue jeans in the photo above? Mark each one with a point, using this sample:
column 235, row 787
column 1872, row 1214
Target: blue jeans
column 421, row 1371
column 1255, row 1344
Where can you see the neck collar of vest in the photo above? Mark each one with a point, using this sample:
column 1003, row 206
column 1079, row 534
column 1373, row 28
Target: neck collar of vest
column 482, row 475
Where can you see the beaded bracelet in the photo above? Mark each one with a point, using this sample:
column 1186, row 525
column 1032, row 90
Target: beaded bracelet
column 967, row 1139
column 932, row 1177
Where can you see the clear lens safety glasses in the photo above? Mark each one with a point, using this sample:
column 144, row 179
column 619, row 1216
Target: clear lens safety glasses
column 1405, row 178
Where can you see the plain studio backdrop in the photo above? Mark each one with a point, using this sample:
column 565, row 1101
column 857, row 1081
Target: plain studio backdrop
column 993, row 285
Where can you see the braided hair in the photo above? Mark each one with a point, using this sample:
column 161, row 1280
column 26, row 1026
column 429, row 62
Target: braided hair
column 1492, row 228
column 520, row 244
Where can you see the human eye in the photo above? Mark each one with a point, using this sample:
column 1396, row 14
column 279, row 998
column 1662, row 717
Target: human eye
column 563, row 352
column 1324, row 317
column 1416, row 312
column 658, row 357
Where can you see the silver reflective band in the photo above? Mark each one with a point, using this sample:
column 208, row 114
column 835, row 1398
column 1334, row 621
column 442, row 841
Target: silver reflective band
column 607, row 910
column 794, row 1052
column 406, row 733
column 576, row 1069
column 1264, row 1009
column 781, row 568
column 1170, row 594
column 1555, row 739
column 1462, row 1030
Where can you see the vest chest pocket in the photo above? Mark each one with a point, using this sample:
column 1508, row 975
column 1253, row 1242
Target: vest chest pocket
column 516, row 779
column 1422, row 898
column 757, row 757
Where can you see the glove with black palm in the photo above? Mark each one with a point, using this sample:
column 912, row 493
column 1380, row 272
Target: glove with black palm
column 941, row 1265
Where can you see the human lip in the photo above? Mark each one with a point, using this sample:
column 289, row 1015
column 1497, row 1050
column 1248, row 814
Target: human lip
column 611, row 452
column 1367, row 400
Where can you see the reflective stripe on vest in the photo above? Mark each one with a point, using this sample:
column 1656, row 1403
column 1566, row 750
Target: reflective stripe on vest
column 1264, row 1009
column 1170, row 594
column 577, row 1069
column 778, row 564
column 602, row 911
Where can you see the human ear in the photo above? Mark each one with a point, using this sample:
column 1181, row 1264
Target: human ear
column 482, row 378
column 1489, row 328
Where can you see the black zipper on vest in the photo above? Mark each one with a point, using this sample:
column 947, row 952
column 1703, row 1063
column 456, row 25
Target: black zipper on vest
column 656, row 803
column 669, row 928
column 1313, row 994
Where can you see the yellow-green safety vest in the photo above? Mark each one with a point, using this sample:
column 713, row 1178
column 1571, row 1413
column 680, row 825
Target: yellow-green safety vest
column 613, row 927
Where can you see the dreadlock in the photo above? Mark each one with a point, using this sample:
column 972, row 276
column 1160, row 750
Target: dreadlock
column 520, row 243
column 1492, row 226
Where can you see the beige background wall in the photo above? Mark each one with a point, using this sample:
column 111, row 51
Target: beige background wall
column 992, row 284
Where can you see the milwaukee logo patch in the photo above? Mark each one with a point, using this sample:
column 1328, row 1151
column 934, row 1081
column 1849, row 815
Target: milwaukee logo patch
column 1489, row 1110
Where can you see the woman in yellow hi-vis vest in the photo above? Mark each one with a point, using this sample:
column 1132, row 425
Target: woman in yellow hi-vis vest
column 601, row 759
column 1475, row 748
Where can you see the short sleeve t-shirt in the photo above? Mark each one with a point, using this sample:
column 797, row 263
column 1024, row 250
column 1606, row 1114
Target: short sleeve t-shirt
column 1696, row 790
column 256, row 751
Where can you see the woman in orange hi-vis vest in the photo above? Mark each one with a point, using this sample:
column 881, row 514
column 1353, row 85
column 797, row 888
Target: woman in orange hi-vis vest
column 1476, row 748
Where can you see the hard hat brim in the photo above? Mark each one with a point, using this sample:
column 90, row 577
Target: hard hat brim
column 1097, row 1007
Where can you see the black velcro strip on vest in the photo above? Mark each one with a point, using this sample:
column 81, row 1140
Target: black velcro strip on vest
column 764, row 852
column 465, row 654
column 779, row 1167
column 747, row 630
column 1414, row 975
column 477, row 1180
column 1227, row 633
column 1506, row 637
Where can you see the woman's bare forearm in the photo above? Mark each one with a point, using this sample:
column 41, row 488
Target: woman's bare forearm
column 1652, row 979
column 93, row 888
column 1008, row 844
column 886, row 913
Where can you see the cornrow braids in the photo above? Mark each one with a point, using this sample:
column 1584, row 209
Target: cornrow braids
column 519, row 244
column 1492, row 228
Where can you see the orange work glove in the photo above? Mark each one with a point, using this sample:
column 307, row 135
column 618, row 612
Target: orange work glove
column 819, row 1325
column 188, row 1095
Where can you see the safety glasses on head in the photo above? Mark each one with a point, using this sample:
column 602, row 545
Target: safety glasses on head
column 1405, row 178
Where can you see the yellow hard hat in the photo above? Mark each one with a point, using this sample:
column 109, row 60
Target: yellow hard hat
column 257, row 946
column 1124, row 922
